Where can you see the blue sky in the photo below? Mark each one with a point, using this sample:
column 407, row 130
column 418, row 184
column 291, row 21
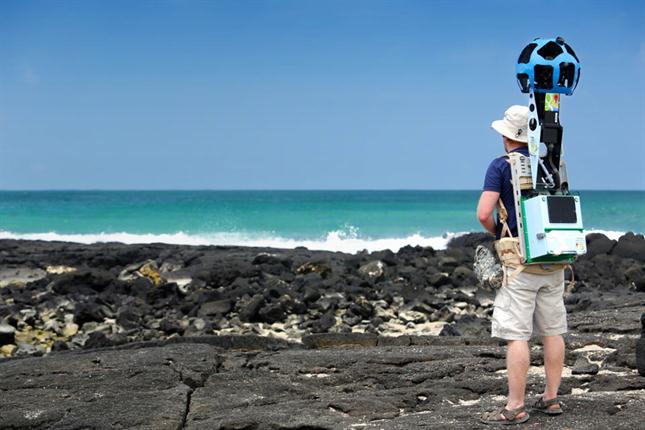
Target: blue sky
column 303, row 94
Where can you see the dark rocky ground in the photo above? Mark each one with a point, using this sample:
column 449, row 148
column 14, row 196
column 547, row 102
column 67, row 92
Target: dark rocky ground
column 161, row 336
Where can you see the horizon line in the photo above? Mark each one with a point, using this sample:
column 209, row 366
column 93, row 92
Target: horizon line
column 273, row 189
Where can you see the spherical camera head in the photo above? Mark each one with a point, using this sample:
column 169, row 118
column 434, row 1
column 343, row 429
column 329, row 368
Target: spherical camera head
column 548, row 66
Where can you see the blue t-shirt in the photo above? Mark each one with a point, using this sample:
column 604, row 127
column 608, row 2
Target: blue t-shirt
column 498, row 178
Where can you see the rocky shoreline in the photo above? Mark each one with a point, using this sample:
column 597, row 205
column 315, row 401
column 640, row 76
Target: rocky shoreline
column 58, row 296
column 417, row 316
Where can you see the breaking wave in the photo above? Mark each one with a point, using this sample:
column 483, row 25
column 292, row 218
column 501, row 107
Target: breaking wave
column 339, row 240
column 346, row 240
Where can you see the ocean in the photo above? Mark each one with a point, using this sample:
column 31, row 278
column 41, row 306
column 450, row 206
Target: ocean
column 346, row 221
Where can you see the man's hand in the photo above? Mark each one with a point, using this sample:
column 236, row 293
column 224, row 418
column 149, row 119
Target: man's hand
column 487, row 203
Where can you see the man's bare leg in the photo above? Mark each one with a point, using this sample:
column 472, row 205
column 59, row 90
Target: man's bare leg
column 517, row 364
column 553, row 364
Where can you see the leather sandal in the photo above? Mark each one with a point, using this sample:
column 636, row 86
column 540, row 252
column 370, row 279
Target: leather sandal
column 544, row 406
column 505, row 417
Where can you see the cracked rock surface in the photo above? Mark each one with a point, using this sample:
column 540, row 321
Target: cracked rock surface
column 335, row 382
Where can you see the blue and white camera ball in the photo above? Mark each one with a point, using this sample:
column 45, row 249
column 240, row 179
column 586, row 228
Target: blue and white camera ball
column 548, row 66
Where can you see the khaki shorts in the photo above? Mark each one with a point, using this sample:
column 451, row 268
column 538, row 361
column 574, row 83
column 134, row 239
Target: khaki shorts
column 530, row 304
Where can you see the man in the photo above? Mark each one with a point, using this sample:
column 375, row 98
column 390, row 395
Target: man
column 529, row 302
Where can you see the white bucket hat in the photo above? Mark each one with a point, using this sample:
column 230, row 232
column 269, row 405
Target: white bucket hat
column 514, row 124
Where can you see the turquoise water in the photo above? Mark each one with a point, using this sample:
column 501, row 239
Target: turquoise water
column 343, row 220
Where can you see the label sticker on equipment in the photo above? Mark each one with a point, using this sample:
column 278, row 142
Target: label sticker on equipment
column 581, row 246
column 533, row 147
column 552, row 102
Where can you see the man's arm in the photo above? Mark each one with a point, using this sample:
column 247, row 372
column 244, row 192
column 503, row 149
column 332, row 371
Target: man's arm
column 487, row 203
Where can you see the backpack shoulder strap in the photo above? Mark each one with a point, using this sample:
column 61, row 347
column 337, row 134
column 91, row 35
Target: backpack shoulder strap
column 501, row 209
column 503, row 216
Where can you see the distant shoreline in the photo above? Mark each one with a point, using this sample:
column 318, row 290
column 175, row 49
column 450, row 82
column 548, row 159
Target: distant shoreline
column 332, row 242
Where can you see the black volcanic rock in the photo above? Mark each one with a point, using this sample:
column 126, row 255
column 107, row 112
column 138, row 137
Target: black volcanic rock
column 97, row 339
column 249, row 308
column 91, row 311
column 272, row 312
column 640, row 348
column 232, row 289
column 630, row 245
column 470, row 240
column 341, row 380
column 598, row 244
column 583, row 366
column 324, row 323
column 449, row 330
column 7, row 334
column 216, row 307
column 128, row 317
column 157, row 368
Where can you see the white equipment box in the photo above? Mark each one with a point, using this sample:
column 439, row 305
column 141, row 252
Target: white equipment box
column 553, row 228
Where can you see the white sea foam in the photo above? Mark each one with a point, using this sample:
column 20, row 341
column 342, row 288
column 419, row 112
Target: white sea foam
column 339, row 240
column 346, row 240
column 612, row 234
